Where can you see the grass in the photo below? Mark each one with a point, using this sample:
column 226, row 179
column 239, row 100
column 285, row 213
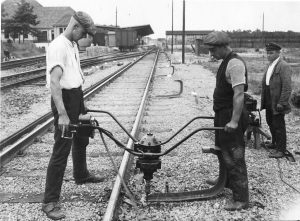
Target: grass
column 256, row 66
column 21, row 50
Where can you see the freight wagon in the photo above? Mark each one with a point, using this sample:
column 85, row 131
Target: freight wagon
column 126, row 39
column 98, row 39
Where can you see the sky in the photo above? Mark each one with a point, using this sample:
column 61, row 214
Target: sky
column 224, row 15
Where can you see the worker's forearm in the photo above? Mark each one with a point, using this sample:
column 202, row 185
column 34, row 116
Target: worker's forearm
column 56, row 94
column 238, row 103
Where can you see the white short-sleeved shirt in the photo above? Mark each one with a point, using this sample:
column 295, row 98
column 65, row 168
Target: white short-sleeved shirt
column 235, row 72
column 64, row 53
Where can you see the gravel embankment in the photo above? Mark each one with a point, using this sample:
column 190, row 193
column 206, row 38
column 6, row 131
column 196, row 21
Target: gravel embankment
column 186, row 168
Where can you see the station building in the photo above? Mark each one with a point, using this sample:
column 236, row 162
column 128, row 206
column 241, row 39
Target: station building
column 54, row 20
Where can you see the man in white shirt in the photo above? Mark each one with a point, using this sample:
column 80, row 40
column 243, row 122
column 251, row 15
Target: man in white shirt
column 65, row 78
column 276, row 91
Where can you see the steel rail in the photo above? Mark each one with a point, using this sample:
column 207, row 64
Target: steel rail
column 25, row 61
column 31, row 60
column 82, row 61
column 114, row 198
column 85, row 63
column 24, row 137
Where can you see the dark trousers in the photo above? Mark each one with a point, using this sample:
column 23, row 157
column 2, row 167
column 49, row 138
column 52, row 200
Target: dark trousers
column 276, row 124
column 233, row 153
column 73, row 101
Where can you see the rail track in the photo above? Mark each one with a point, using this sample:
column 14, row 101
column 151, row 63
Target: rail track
column 33, row 75
column 22, row 62
column 138, row 81
column 185, row 168
column 41, row 59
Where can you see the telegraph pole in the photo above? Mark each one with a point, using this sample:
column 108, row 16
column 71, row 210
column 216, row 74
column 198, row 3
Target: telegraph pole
column 116, row 16
column 172, row 30
column 263, row 36
column 183, row 32
column 263, row 28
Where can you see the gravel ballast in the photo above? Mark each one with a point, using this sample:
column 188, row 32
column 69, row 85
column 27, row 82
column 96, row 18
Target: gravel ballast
column 185, row 168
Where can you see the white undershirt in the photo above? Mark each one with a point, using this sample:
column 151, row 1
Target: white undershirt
column 270, row 71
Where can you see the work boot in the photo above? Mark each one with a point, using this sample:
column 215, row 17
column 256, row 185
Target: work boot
column 53, row 210
column 270, row 145
column 236, row 205
column 89, row 179
column 276, row 154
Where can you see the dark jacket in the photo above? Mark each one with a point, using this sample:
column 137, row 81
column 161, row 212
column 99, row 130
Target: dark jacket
column 280, row 87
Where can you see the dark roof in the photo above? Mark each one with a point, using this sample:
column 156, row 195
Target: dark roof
column 188, row 32
column 142, row 30
column 107, row 27
column 63, row 21
column 48, row 16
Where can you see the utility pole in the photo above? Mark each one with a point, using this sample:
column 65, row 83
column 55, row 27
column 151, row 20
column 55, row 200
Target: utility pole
column 183, row 32
column 172, row 31
column 116, row 16
column 263, row 35
column 263, row 28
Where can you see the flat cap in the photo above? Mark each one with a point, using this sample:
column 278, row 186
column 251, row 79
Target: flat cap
column 271, row 46
column 86, row 21
column 216, row 38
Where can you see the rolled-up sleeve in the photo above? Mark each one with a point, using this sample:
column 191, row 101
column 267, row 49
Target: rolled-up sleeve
column 55, row 57
column 235, row 72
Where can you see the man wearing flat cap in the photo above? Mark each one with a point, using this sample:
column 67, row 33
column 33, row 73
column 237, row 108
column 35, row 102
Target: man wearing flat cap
column 65, row 78
column 228, row 105
column 276, row 91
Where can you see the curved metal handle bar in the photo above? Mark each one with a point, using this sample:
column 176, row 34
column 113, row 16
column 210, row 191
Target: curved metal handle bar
column 120, row 144
column 188, row 123
column 155, row 154
column 158, row 154
column 188, row 136
column 115, row 119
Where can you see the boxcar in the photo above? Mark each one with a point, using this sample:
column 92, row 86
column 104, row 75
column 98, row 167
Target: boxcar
column 99, row 39
column 126, row 39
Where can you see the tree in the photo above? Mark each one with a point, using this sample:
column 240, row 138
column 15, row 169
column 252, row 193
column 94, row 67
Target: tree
column 22, row 22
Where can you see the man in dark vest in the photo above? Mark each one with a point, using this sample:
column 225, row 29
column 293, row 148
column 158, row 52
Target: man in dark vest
column 228, row 105
column 276, row 92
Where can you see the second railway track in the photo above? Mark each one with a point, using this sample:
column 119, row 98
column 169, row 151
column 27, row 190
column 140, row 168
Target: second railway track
column 39, row 73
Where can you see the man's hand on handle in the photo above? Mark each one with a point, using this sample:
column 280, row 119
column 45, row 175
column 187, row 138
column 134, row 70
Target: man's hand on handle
column 231, row 126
